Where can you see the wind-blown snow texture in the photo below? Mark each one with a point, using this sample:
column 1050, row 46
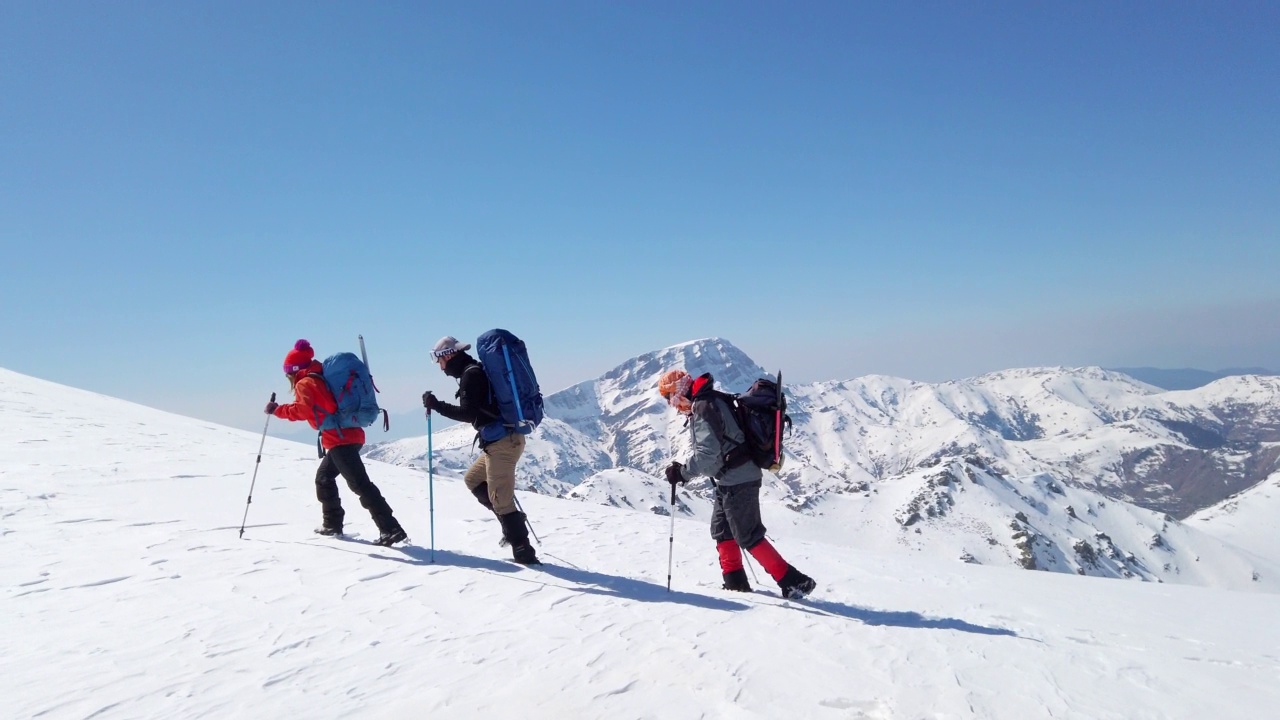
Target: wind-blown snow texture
column 1042, row 468
column 127, row 594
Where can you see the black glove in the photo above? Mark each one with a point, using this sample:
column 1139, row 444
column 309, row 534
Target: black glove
column 271, row 408
column 429, row 401
column 674, row 476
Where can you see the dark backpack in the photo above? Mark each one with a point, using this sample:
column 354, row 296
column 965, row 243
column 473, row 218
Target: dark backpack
column 757, row 412
column 512, row 382
column 352, row 386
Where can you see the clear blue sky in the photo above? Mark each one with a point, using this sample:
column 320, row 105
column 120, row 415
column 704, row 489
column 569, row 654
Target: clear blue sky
column 929, row 190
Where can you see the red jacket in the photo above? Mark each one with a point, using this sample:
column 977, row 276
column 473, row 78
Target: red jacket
column 313, row 402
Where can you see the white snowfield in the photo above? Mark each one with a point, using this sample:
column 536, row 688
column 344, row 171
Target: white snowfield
column 1247, row 519
column 128, row 593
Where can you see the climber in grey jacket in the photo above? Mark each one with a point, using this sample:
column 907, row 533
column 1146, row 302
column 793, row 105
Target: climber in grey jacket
column 735, row 515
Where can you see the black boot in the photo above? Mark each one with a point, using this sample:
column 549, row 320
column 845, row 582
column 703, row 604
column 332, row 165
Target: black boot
column 737, row 580
column 391, row 537
column 327, row 529
column 525, row 554
column 795, row 585
column 517, row 535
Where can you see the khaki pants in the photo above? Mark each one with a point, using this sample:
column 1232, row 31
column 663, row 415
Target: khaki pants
column 497, row 467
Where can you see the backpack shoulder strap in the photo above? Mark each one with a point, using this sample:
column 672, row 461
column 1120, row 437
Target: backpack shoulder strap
column 717, row 418
column 478, row 367
column 736, row 453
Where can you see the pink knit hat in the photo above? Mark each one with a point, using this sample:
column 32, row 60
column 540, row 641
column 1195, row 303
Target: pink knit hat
column 299, row 357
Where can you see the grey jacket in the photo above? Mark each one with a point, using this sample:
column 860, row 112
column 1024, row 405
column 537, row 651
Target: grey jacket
column 714, row 432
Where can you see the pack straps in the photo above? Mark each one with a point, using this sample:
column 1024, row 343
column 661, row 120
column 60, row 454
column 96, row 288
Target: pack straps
column 739, row 453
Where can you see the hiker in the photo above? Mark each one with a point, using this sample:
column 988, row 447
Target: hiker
column 313, row 401
column 492, row 477
column 735, row 516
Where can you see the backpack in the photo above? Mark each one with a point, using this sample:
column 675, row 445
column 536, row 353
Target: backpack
column 352, row 386
column 758, row 412
column 512, row 383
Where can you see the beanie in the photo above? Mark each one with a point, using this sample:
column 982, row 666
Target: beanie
column 674, row 382
column 299, row 357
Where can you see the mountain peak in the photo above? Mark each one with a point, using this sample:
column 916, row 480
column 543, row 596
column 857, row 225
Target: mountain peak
column 732, row 368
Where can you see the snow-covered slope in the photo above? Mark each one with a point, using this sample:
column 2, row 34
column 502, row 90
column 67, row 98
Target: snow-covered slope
column 1247, row 520
column 127, row 593
column 1039, row 468
column 1174, row 451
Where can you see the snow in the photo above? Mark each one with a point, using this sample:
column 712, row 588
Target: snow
column 1246, row 520
column 128, row 594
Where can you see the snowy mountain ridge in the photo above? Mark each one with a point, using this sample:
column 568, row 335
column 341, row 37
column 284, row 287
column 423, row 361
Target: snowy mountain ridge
column 1036, row 467
column 129, row 593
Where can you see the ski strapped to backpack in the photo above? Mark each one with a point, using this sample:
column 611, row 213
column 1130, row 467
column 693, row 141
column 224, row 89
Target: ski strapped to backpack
column 761, row 413
column 511, row 380
column 353, row 390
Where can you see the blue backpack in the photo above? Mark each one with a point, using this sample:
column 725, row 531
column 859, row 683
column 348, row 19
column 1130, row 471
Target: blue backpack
column 352, row 386
column 512, row 382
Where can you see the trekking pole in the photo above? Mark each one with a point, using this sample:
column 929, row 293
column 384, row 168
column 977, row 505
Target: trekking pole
column 364, row 358
column 752, row 567
column 255, row 471
column 431, row 488
column 671, row 538
column 526, row 518
column 777, row 422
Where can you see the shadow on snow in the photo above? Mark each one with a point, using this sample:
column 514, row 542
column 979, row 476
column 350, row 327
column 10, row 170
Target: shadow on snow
column 584, row 581
column 641, row 590
column 596, row 583
column 902, row 619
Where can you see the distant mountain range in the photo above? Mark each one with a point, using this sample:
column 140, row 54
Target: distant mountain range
column 1185, row 378
column 1079, row 470
column 412, row 424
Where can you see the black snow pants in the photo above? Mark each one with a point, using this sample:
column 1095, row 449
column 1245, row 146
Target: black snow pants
column 345, row 460
column 736, row 515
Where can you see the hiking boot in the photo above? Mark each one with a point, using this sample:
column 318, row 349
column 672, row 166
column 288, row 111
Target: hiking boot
column 795, row 585
column 525, row 554
column 513, row 528
column 328, row 530
column 737, row 580
column 391, row 537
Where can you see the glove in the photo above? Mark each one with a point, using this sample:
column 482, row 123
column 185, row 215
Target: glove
column 674, row 475
column 429, row 400
column 271, row 408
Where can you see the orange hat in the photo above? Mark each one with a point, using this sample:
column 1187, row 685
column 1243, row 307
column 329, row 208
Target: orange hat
column 670, row 383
